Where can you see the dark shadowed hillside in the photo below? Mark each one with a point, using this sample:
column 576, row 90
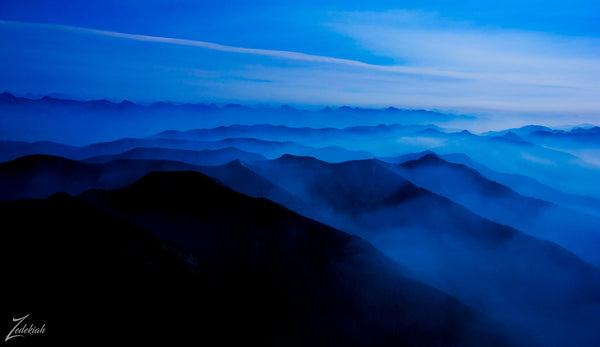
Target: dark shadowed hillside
column 10, row 150
column 39, row 176
column 231, row 263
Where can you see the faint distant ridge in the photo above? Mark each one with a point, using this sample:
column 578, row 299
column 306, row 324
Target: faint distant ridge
column 522, row 131
column 511, row 137
column 576, row 137
column 64, row 100
column 287, row 133
column 588, row 131
column 104, row 120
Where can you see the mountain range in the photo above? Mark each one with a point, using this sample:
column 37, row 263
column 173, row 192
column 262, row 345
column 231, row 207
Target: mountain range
column 435, row 240
column 103, row 120
column 280, row 226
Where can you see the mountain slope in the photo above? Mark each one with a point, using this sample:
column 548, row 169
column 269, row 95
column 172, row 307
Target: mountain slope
column 501, row 204
column 39, row 176
column 311, row 282
column 10, row 150
column 529, row 187
column 85, row 273
column 483, row 263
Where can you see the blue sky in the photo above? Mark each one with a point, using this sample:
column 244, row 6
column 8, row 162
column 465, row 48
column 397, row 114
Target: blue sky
column 511, row 56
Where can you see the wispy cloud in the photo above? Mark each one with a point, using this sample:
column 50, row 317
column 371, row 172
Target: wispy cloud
column 263, row 52
column 493, row 54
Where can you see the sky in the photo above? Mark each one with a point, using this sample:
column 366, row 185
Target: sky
column 508, row 57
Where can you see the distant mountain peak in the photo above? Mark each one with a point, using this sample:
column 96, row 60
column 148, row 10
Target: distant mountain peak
column 236, row 163
column 235, row 106
column 535, row 127
column 6, row 96
column 295, row 158
column 287, row 108
column 427, row 159
column 38, row 159
column 126, row 103
column 172, row 181
column 586, row 131
column 61, row 197
column 430, row 131
column 512, row 136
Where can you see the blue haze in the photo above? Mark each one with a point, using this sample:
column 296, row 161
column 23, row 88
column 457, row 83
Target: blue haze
column 406, row 123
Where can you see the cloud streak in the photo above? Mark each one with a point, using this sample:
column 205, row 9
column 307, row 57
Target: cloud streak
column 491, row 54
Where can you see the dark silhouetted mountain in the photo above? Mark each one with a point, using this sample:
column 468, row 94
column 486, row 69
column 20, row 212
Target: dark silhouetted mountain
column 533, row 286
column 10, row 150
column 39, row 176
column 81, row 271
column 204, row 157
column 496, row 202
column 310, row 283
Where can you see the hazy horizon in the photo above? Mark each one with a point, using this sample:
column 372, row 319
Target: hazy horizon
column 538, row 61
